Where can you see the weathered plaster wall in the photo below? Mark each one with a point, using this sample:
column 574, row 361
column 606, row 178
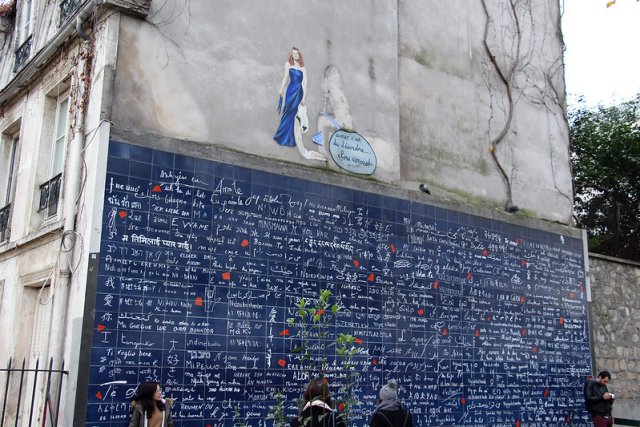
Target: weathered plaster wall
column 211, row 72
column 414, row 78
column 615, row 323
column 453, row 102
column 45, row 26
column 32, row 255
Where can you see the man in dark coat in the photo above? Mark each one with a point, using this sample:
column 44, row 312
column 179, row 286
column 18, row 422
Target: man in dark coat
column 599, row 401
column 390, row 412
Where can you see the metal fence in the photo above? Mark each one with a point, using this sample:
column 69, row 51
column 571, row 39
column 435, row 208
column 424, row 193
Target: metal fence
column 21, row 394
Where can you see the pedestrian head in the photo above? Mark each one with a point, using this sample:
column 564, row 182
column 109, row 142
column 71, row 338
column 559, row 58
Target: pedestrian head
column 149, row 395
column 389, row 391
column 318, row 389
column 604, row 377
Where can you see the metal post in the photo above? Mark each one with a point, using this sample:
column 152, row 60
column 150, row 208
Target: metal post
column 33, row 393
column 6, row 392
column 59, row 393
column 46, row 393
column 20, row 392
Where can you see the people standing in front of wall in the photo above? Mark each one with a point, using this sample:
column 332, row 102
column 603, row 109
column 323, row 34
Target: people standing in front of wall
column 317, row 410
column 599, row 401
column 390, row 412
column 149, row 408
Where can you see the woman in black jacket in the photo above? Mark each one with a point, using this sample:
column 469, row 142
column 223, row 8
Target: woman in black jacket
column 317, row 410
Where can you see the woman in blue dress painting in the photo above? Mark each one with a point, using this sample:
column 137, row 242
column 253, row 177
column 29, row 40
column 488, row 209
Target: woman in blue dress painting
column 295, row 81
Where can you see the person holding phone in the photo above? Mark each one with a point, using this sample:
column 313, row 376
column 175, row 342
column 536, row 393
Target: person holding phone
column 599, row 401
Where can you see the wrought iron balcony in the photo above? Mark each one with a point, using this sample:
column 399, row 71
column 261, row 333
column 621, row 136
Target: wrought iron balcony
column 4, row 222
column 68, row 8
column 50, row 195
column 22, row 54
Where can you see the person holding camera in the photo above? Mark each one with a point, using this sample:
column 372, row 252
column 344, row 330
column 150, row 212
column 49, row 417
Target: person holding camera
column 599, row 401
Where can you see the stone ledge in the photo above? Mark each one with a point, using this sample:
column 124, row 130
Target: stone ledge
column 139, row 8
column 614, row 259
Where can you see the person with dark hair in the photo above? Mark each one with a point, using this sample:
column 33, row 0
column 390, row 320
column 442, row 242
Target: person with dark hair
column 149, row 408
column 390, row 412
column 317, row 410
column 599, row 401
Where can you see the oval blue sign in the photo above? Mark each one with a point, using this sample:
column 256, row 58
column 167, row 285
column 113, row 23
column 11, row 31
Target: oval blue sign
column 352, row 152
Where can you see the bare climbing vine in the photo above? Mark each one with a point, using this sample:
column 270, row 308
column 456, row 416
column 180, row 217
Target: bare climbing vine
column 506, row 79
column 521, row 80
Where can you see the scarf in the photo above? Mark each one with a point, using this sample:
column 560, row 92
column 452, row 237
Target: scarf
column 317, row 403
column 390, row 405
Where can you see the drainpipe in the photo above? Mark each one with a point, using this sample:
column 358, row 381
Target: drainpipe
column 72, row 178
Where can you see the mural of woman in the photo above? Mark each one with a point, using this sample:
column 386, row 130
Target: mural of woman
column 294, row 120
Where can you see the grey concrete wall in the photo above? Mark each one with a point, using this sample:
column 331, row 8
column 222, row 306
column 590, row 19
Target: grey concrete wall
column 453, row 103
column 413, row 77
column 615, row 322
column 211, row 72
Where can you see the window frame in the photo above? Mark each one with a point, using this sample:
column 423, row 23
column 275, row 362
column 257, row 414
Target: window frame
column 25, row 29
column 9, row 181
column 59, row 140
column 57, row 148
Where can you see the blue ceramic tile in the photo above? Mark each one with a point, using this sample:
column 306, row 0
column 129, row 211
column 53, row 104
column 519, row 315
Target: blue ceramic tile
column 184, row 163
column 260, row 177
column 140, row 170
column 280, row 181
column 163, row 159
column 204, row 166
column 242, row 174
column 118, row 166
column 141, row 154
column 225, row 171
column 118, row 149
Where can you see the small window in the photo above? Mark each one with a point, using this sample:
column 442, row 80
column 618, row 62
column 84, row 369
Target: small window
column 8, row 171
column 24, row 28
column 25, row 21
column 60, row 135
column 50, row 189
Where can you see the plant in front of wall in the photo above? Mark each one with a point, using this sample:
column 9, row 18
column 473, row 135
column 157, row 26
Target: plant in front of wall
column 237, row 417
column 312, row 320
column 276, row 412
column 346, row 351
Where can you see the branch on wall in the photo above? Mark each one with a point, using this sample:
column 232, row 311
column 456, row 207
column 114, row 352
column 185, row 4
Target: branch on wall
column 505, row 78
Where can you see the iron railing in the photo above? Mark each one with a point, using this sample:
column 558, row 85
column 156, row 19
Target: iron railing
column 67, row 9
column 50, row 195
column 22, row 54
column 51, row 409
column 4, row 222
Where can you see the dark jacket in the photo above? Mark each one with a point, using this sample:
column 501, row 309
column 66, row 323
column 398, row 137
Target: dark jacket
column 594, row 397
column 138, row 417
column 400, row 418
column 330, row 418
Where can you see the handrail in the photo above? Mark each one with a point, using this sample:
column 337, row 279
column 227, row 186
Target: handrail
column 49, row 192
column 4, row 221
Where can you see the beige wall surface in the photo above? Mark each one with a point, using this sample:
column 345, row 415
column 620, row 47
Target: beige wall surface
column 455, row 104
column 434, row 87
column 211, row 72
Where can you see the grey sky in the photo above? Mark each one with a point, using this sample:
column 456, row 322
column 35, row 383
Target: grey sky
column 602, row 55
